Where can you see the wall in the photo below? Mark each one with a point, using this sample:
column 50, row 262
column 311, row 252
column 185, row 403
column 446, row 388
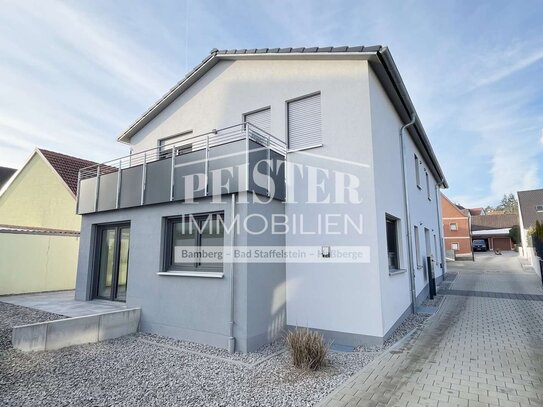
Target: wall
column 37, row 197
column 338, row 299
column 425, row 213
column 385, row 123
column 192, row 308
column 36, row 263
column 462, row 236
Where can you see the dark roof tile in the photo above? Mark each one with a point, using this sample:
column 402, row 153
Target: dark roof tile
column 5, row 174
column 66, row 166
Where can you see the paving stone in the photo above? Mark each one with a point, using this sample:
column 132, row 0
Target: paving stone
column 483, row 348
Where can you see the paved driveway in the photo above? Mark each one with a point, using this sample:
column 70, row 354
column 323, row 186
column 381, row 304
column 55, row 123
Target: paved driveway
column 483, row 348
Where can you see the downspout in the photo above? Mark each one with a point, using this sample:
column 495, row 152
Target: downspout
column 232, row 339
column 408, row 214
column 439, row 226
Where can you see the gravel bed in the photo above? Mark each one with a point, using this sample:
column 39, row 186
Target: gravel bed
column 130, row 372
column 248, row 358
column 14, row 315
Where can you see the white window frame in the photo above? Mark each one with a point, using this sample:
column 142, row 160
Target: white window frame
column 165, row 140
column 417, row 171
column 417, row 246
column 455, row 228
column 428, row 185
column 244, row 115
column 455, row 244
column 296, row 99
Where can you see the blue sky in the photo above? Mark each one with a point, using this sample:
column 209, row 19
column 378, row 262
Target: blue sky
column 75, row 74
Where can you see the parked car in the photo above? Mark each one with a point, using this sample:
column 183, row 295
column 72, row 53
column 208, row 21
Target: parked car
column 479, row 246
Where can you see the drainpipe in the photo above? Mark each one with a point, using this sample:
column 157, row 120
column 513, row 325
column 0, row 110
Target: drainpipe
column 408, row 214
column 232, row 339
column 439, row 226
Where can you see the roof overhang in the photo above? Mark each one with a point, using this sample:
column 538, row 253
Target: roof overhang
column 379, row 59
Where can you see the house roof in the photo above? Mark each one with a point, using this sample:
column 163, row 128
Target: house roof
column 66, row 166
column 491, row 232
column 32, row 230
column 5, row 174
column 528, row 200
column 491, row 222
column 476, row 211
column 378, row 56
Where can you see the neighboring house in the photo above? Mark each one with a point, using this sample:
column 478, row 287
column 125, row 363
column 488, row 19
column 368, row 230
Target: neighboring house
column 477, row 211
column 319, row 142
column 530, row 210
column 39, row 229
column 456, row 227
column 494, row 230
column 5, row 175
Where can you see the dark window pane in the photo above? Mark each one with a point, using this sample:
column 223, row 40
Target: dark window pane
column 184, row 248
column 211, row 243
column 392, row 243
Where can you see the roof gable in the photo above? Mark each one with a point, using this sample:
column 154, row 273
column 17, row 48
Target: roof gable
column 461, row 212
column 66, row 166
column 378, row 56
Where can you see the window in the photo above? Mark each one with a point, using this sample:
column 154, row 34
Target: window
column 392, row 242
column 539, row 208
column 195, row 242
column 417, row 171
column 417, row 246
column 260, row 118
column 453, row 226
column 454, row 246
column 428, row 186
column 165, row 145
column 304, row 122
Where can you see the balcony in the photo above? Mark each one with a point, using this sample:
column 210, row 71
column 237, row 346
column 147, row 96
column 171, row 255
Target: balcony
column 234, row 159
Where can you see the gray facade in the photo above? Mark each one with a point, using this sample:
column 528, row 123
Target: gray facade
column 194, row 308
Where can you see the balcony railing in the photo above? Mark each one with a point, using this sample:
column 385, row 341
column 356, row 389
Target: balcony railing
column 234, row 159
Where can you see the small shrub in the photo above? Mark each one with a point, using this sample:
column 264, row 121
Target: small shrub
column 307, row 348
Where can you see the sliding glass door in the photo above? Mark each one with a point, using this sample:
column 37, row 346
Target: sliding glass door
column 111, row 273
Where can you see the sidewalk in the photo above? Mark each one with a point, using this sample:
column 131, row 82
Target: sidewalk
column 479, row 350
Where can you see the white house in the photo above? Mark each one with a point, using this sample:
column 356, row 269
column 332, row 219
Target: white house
column 319, row 159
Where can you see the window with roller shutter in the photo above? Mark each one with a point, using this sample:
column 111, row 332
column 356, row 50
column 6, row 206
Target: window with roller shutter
column 304, row 122
column 260, row 118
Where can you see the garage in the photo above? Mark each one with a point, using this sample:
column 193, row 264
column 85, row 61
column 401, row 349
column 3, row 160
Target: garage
column 502, row 243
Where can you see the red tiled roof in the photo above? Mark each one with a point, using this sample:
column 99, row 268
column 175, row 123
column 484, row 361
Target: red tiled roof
column 476, row 211
column 66, row 166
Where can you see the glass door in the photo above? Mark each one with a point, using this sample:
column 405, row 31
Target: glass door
column 112, row 263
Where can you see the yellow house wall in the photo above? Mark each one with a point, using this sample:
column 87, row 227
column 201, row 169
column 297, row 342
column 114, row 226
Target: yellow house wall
column 39, row 198
column 36, row 263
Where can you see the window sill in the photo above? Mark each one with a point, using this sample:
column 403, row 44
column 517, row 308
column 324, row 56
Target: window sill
column 393, row 272
column 202, row 274
column 294, row 150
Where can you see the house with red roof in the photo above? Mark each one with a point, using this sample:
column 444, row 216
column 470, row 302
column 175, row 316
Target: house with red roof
column 39, row 229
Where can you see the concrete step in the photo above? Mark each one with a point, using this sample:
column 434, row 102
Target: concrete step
column 62, row 333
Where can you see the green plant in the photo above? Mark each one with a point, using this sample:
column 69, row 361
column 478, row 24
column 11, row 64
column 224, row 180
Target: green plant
column 307, row 348
column 514, row 234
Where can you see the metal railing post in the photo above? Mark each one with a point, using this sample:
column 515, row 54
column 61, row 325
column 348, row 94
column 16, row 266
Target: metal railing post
column 247, row 156
column 207, row 166
column 97, row 188
column 269, row 167
column 143, row 178
column 172, row 173
column 78, row 191
column 118, row 199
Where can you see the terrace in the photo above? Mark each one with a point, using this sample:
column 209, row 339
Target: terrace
column 238, row 158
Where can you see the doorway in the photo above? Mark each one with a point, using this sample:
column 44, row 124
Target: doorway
column 111, row 271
